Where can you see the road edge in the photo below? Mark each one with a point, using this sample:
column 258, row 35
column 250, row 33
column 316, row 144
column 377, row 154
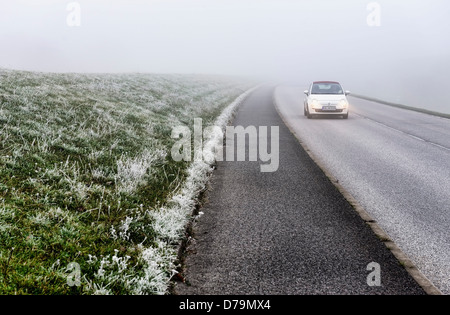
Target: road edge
column 411, row 108
column 403, row 259
column 223, row 119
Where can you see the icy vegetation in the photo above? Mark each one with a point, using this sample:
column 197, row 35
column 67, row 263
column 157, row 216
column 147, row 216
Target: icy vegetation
column 90, row 200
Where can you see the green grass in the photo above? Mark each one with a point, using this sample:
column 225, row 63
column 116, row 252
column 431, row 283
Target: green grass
column 84, row 165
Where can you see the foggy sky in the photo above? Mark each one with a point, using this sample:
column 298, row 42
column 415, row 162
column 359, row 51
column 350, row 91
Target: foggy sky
column 288, row 40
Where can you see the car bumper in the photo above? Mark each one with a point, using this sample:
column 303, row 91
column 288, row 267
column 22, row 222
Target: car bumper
column 329, row 112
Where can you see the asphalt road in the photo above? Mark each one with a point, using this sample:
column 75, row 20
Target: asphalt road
column 396, row 163
column 284, row 232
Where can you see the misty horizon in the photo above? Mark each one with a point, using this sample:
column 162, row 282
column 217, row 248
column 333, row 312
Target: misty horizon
column 403, row 59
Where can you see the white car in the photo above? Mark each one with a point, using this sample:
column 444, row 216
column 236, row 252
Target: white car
column 326, row 98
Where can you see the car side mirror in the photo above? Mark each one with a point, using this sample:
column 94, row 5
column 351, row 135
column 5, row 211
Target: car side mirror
column 306, row 92
column 347, row 92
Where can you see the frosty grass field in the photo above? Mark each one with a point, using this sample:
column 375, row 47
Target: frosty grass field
column 90, row 200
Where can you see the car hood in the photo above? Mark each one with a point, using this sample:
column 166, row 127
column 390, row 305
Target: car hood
column 328, row 97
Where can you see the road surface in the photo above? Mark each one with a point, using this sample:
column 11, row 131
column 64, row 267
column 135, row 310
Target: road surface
column 284, row 232
column 395, row 163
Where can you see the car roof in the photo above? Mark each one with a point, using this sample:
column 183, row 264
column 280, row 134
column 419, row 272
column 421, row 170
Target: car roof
column 325, row 82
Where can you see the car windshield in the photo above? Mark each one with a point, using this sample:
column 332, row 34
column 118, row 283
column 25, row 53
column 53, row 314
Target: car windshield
column 326, row 88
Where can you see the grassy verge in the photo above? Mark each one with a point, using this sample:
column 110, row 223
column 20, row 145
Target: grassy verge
column 86, row 177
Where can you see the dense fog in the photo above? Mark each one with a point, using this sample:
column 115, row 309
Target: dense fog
column 394, row 50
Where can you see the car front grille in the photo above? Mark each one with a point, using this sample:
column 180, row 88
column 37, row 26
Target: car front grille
column 329, row 111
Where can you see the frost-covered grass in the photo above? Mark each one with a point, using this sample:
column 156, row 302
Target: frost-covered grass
column 86, row 177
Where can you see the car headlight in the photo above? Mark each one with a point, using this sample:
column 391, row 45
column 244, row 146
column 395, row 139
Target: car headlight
column 343, row 103
column 315, row 104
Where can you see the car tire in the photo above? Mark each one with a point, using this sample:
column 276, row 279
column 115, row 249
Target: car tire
column 309, row 115
column 345, row 116
column 305, row 113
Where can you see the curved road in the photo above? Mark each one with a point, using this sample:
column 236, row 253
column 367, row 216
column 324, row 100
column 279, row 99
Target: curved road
column 396, row 164
column 289, row 231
